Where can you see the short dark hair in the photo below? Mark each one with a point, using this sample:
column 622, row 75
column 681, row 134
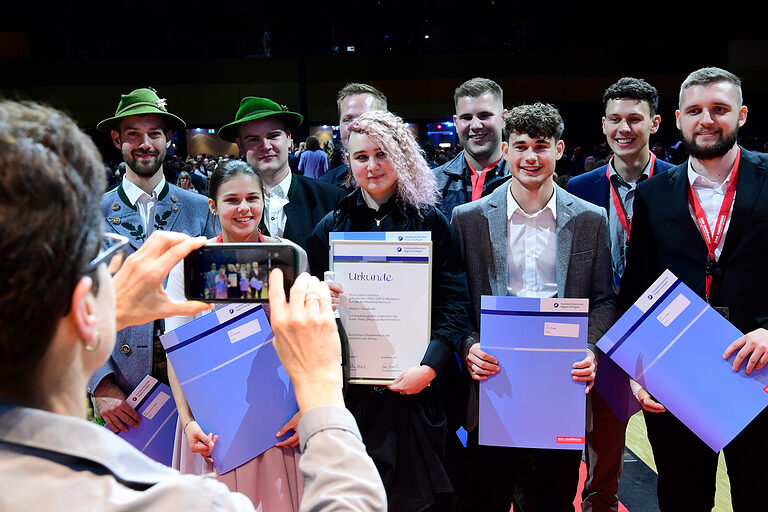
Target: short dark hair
column 229, row 170
column 312, row 143
column 353, row 88
column 477, row 87
column 537, row 120
column 710, row 75
column 51, row 182
column 633, row 89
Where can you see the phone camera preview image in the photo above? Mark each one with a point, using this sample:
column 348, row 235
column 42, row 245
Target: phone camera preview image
column 237, row 272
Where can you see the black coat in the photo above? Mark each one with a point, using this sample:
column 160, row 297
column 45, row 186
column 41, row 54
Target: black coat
column 411, row 439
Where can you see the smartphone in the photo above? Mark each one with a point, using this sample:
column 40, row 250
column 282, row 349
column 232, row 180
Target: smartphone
column 237, row 272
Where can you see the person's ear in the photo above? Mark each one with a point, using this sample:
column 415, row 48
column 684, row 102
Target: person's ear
column 212, row 206
column 655, row 122
column 115, row 136
column 168, row 138
column 82, row 312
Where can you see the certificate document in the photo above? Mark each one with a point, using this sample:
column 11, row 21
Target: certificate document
column 533, row 402
column 233, row 380
column 385, row 305
column 155, row 434
column 672, row 343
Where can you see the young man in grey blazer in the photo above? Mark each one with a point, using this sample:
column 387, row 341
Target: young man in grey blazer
column 531, row 238
column 143, row 202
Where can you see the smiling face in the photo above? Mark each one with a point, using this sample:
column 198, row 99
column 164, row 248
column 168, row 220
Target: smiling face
column 143, row 140
column 479, row 125
column 371, row 167
column 532, row 161
column 627, row 126
column 709, row 119
column 239, row 205
column 265, row 143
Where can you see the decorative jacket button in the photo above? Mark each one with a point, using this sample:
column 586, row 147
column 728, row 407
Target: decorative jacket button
column 125, row 349
column 174, row 199
column 175, row 208
column 115, row 207
column 115, row 220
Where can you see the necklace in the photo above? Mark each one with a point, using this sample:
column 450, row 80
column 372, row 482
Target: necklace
column 378, row 221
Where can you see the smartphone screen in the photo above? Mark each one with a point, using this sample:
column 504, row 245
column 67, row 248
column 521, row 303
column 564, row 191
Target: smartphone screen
column 237, row 272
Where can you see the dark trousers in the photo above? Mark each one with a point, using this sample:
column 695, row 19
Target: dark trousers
column 531, row 480
column 687, row 467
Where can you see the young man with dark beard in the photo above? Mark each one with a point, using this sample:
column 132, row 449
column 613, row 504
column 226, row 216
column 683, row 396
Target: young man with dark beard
column 705, row 221
column 143, row 202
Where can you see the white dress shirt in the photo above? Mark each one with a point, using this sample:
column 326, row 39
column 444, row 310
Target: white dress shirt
column 274, row 204
column 711, row 195
column 531, row 250
column 144, row 203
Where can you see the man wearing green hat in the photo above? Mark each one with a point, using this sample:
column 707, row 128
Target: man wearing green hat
column 143, row 202
column 293, row 204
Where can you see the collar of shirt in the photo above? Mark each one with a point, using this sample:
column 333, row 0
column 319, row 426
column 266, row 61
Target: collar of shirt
column 369, row 202
column 281, row 189
column 621, row 182
column 133, row 192
column 513, row 207
column 698, row 181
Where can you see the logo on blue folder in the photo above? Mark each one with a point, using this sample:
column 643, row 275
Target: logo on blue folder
column 399, row 249
column 400, row 238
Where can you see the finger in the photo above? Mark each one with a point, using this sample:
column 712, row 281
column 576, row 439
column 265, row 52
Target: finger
column 291, row 442
column 276, row 292
column 176, row 251
column 740, row 357
column 589, row 386
column 754, row 359
column 298, row 293
column 763, row 361
column 126, row 418
column 326, row 306
column 312, row 297
column 482, row 355
column 110, row 424
column 117, row 422
column 133, row 413
column 733, row 347
column 187, row 308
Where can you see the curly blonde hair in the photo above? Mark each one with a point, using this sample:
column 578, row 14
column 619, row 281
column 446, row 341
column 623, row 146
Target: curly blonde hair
column 416, row 184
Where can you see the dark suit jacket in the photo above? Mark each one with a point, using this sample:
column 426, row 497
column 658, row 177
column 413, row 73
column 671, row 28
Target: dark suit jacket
column 664, row 236
column 594, row 187
column 309, row 200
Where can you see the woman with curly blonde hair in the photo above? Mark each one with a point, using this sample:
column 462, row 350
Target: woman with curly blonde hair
column 409, row 426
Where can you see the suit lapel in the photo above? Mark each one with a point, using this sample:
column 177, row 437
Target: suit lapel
column 748, row 189
column 564, row 239
column 497, row 227
column 293, row 206
column 123, row 218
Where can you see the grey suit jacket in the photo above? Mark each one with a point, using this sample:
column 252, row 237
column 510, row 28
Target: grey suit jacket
column 176, row 210
column 583, row 262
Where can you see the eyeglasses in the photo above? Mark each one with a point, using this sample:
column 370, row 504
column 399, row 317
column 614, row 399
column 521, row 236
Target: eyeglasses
column 112, row 252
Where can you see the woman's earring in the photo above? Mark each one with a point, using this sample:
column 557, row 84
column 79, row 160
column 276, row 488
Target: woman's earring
column 91, row 348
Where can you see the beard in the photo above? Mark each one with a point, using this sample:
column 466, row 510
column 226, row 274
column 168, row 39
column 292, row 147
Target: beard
column 716, row 150
column 144, row 170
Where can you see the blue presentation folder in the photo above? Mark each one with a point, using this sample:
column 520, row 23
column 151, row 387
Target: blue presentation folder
column 154, row 436
column 672, row 343
column 533, row 402
column 233, row 381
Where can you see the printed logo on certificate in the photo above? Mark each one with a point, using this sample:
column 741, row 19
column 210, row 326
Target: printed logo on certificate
column 385, row 305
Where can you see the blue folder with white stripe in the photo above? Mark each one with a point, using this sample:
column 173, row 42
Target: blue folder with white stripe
column 233, row 380
column 672, row 343
column 154, row 436
column 533, row 402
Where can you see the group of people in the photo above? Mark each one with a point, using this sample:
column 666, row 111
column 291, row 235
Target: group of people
column 500, row 225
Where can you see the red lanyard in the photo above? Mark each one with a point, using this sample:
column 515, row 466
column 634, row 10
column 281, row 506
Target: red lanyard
column 713, row 239
column 621, row 213
column 478, row 179
column 220, row 238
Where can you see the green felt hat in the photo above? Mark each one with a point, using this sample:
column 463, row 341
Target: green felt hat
column 138, row 102
column 252, row 108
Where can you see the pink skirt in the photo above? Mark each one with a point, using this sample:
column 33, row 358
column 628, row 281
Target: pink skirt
column 272, row 480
